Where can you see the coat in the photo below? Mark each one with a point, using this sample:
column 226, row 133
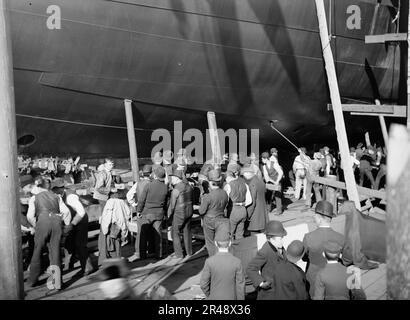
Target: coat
column 153, row 202
column 223, row 278
column 256, row 212
column 286, row 279
column 331, row 283
column 314, row 243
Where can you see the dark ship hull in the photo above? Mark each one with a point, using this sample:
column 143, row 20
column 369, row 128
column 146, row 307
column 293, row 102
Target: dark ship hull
column 249, row 61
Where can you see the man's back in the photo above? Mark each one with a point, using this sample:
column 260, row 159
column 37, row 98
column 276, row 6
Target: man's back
column 153, row 199
column 214, row 203
column 222, row 277
column 331, row 283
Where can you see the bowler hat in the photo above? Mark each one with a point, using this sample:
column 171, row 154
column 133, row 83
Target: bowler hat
column 275, row 228
column 160, row 173
column 295, row 250
column 325, row 208
column 265, row 155
column 332, row 247
column 214, row 175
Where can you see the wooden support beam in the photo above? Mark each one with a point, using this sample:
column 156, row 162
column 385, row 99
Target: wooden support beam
column 386, row 110
column 214, row 138
column 337, row 105
column 371, row 193
column 388, row 37
column 398, row 214
column 131, row 139
column 383, row 127
column 11, row 264
column 408, row 70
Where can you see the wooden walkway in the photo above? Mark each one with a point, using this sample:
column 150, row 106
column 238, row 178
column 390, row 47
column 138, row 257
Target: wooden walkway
column 181, row 276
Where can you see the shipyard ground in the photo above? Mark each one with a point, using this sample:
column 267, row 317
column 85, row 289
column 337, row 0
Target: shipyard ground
column 181, row 276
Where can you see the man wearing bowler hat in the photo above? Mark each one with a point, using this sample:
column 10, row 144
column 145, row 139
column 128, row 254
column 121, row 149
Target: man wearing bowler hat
column 212, row 209
column 181, row 210
column 222, row 277
column 269, row 265
column 152, row 206
column 315, row 241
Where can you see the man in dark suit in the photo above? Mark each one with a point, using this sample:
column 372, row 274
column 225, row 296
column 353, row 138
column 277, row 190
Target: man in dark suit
column 268, row 268
column 152, row 206
column 257, row 215
column 332, row 281
column 180, row 208
column 315, row 241
column 222, row 277
column 212, row 210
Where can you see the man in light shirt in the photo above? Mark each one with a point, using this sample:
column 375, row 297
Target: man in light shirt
column 46, row 212
column 300, row 169
column 76, row 241
column 273, row 174
column 239, row 198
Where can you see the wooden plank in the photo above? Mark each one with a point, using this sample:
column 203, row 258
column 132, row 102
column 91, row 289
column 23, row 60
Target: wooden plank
column 379, row 194
column 383, row 126
column 368, row 108
column 214, row 138
column 408, row 71
column 388, row 37
column 337, row 104
column 131, row 139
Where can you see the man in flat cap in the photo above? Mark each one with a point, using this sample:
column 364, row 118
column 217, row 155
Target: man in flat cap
column 212, row 209
column 152, row 206
column 181, row 210
column 222, row 277
column 239, row 198
column 139, row 188
column 316, row 240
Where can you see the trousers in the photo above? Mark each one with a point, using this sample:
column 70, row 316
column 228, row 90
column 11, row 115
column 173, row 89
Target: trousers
column 300, row 177
column 48, row 233
column 209, row 225
column 316, row 188
column 237, row 220
column 180, row 223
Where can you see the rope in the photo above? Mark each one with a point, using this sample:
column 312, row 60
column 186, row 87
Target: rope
column 273, row 127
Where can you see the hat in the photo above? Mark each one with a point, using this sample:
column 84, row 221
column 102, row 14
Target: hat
column 176, row 172
column 325, row 208
column 232, row 167
column 214, row 175
column 332, row 247
column 317, row 155
column 265, row 155
column 252, row 156
column 147, row 169
column 273, row 150
column 247, row 168
column 295, row 250
column 222, row 232
column 160, row 173
column 275, row 228
column 303, row 149
column 325, row 148
column 167, row 156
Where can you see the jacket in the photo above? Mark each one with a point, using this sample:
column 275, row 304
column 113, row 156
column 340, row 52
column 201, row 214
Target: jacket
column 153, row 200
column 314, row 243
column 181, row 200
column 222, row 278
column 116, row 211
column 102, row 185
column 331, row 283
column 256, row 212
column 269, row 265
column 213, row 204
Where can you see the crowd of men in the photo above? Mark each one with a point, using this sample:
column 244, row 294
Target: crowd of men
column 234, row 202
